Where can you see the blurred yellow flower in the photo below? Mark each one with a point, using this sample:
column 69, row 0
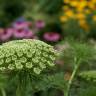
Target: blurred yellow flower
column 82, row 4
column 87, row 11
column 80, row 16
column 79, row 10
column 69, row 13
column 63, row 18
column 91, row 5
column 66, row 1
column 94, row 18
column 74, row 3
column 83, row 24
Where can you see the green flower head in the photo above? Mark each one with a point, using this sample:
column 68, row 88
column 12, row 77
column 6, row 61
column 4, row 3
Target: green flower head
column 27, row 54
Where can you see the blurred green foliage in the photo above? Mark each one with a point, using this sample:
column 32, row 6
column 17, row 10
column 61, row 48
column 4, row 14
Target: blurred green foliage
column 10, row 10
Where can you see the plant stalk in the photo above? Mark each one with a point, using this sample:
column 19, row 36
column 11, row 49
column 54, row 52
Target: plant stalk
column 71, row 79
column 3, row 92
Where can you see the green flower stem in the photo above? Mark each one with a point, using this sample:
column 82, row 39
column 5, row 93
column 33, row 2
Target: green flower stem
column 71, row 79
column 18, row 92
column 3, row 92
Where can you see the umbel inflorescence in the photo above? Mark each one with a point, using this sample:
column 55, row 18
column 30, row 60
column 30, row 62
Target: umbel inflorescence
column 26, row 54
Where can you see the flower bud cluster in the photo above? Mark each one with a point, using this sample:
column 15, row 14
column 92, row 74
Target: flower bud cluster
column 27, row 54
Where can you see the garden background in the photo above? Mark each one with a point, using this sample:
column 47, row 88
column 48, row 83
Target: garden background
column 70, row 27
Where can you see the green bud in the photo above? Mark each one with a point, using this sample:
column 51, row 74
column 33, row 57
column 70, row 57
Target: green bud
column 35, row 60
column 23, row 60
column 37, row 70
column 29, row 54
column 50, row 63
column 43, row 60
column 24, row 50
column 12, row 52
column 2, row 68
column 29, row 65
column 8, row 53
column 45, row 54
column 52, row 57
column 19, row 66
column 14, row 57
column 20, row 53
column 1, row 55
column 38, row 53
column 8, row 60
column 42, row 66
column 11, row 67
column 1, row 61
column 33, row 52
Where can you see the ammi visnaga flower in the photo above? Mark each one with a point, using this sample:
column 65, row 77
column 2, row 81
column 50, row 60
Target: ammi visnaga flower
column 27, row 54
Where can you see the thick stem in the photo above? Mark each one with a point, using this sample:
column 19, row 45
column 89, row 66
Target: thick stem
column 3, row 92
column 18, row 92
column 71, row 79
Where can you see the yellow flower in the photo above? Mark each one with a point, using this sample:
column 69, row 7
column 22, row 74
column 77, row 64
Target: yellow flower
column 63, row 18
column 82, row 22
column 74, row 3
column 94, row 18
column 93, row 1
column 79, row 10
column 69, row 13
column 91, row 5
column 80, row 16
column 82, row 4
column 66, row 1
column 87, row 11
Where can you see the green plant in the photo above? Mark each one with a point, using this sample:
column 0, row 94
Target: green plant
column 29, row 66
column 87, row 92
column 26, row 61
column 88, row 75
column 77, row 54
